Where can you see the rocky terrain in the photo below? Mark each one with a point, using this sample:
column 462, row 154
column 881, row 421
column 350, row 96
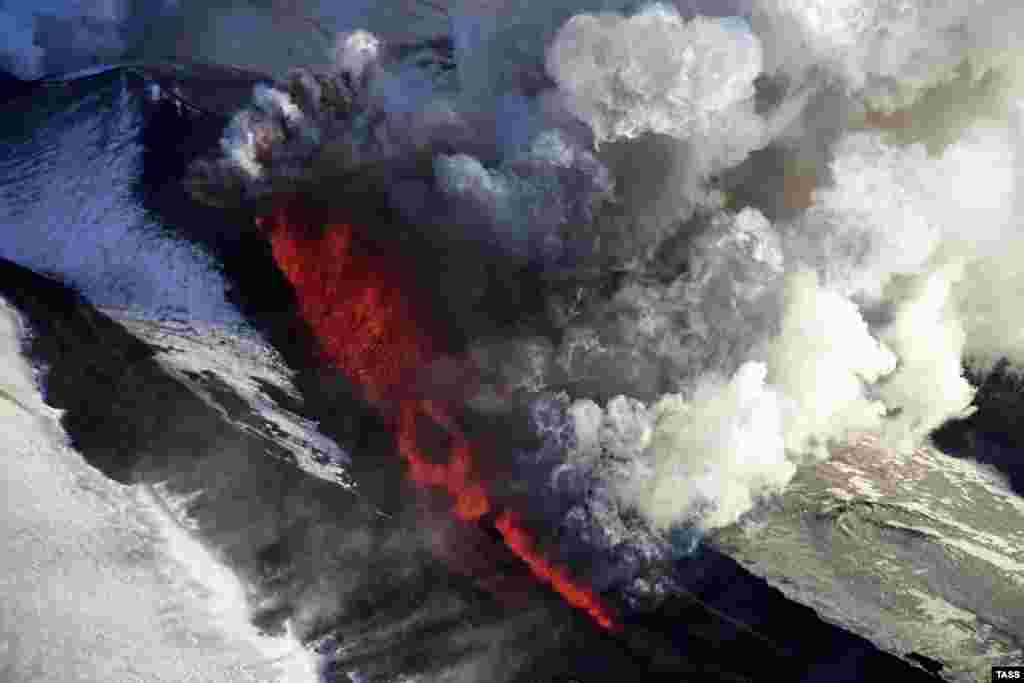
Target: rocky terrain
column 922, row 554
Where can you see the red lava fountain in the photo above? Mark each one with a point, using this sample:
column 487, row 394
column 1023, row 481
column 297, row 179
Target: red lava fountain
column 359, row 302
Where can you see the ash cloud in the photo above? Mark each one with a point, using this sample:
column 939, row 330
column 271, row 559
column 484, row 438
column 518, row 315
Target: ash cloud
column 528, row 198
column 654, row 72
column 889, row 50
column 706, row 342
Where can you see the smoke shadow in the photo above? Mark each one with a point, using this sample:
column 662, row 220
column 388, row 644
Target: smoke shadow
column 12, row 87
column 806, row 649
column 992, row 435
column 318, row 555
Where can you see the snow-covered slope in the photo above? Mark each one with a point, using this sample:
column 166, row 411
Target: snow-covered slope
column 212, row 358
column 70, row 163
column 98, row 580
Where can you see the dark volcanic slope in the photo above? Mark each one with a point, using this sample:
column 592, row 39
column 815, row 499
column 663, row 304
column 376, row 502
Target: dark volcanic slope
column 11, row 87
column 319, row 554
column 324, row 557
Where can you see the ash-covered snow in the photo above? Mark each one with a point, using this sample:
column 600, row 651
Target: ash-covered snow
column 101, row 581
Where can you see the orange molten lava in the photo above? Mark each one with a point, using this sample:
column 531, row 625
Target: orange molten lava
column 578, row 596
column 359, row 304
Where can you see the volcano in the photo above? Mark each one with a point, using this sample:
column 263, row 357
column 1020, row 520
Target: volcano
column 571, row 341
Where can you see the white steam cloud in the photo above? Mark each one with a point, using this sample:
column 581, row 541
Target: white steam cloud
column 919, row 242
column 737, row 340
column 655, row 72
column 709, row 456
column 821, row 361
column 926, row 334
column 889, row 49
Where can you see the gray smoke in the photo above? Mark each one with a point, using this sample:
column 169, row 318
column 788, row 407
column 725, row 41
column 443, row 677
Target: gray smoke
column 756, row 318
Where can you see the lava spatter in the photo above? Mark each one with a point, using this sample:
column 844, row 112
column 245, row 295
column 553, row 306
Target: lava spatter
column 361, row 307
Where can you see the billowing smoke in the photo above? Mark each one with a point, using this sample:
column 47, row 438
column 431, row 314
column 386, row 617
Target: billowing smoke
column 888, row 50
column 654, row 72
column 761, row 227
column 705, row 457
column 529, row 197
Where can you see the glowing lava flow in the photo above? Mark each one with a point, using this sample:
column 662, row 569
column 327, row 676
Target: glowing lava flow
column 357, row 302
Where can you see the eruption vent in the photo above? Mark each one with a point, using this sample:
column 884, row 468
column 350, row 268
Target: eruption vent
column 758, row 228
column 361, row 309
